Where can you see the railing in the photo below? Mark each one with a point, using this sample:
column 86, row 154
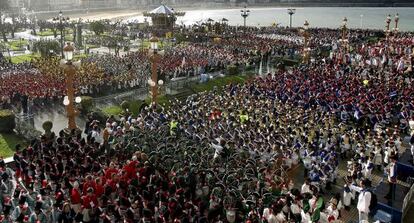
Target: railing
column 25, row 126
column 142, row 93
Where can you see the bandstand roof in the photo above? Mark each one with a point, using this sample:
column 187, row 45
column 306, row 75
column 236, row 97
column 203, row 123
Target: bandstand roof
column 162, row 9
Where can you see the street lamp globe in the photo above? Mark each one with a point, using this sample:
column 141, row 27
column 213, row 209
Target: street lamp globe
column 291, row 11
column 68, row 52
column 160, row 82
column 345, row 21
column 78, row 99
column 306, row 25
column 66, row 102
column 154, row 43
column 388, row 19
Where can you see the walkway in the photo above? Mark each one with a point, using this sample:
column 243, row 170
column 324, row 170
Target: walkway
column 297, row 174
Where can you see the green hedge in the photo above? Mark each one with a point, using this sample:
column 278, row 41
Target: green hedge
column 135, row 107
column 100, row 116
column 86, row 104
column 232, row 70
column 7, row 121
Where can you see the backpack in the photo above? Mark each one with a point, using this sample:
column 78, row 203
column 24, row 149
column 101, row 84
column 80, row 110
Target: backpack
column 373, row 203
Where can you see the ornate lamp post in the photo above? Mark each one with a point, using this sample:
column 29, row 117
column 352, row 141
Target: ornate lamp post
column 387, row 26
column 291, row 12
column 61, row 21
column 69, row 99
column 306, row 49
column 344, row 40
column 245, row 13
column 154, row 83
column 396, row 20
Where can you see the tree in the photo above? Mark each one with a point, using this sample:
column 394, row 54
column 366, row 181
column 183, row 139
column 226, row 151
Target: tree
column 15, row 24
column 113, row 42
column 4, row 6
column 97, row 27
column 45, row 47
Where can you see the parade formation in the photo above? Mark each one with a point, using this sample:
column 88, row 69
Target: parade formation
column 319, row 137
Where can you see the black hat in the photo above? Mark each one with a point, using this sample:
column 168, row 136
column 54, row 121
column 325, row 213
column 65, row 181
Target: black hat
column 38, row 205
column 22, row 199
column 147, row 212
column 5, row 176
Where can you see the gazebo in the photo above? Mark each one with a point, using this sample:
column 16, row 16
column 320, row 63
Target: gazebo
column 163, row 17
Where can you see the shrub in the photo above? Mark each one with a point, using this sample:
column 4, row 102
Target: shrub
column 136, row 106
column 86, row 104
column 125, row 105
column 7, row 121
column 47, row 126
column 44, row 47
column 98, row 27
column 290, row 63
column 232, row 70
column 249, row 67
column 100, row 116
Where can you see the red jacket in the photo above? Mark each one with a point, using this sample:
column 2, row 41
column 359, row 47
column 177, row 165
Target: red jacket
column 88, row 200
column 75, row 196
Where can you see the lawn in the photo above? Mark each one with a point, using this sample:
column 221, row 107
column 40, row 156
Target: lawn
column 8, row 143
column 17, row 44
column 23, row 58
column 112, row 110
column 91, row 46
column 49, row 32
column 219, row 82
column 46, row 32
column 79, row 56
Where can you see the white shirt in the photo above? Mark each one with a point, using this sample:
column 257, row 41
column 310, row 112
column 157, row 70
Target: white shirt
column 306, row 218
column 295, row 208
column 97, row 136
column 348, row 196
column 305, row 189
column 218, row 150
column 364, row 200
column 392, row 172
column 280, row 217
column 331, row 212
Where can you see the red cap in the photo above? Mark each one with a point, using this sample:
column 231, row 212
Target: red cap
column 44, row 183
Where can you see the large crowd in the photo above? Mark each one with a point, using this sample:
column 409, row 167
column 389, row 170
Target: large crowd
column 222, row 156
column 106, row 74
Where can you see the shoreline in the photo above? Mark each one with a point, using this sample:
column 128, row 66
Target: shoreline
column 122, row 13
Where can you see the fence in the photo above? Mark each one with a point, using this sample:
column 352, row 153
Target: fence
column 25, row 126
column 171, row 87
